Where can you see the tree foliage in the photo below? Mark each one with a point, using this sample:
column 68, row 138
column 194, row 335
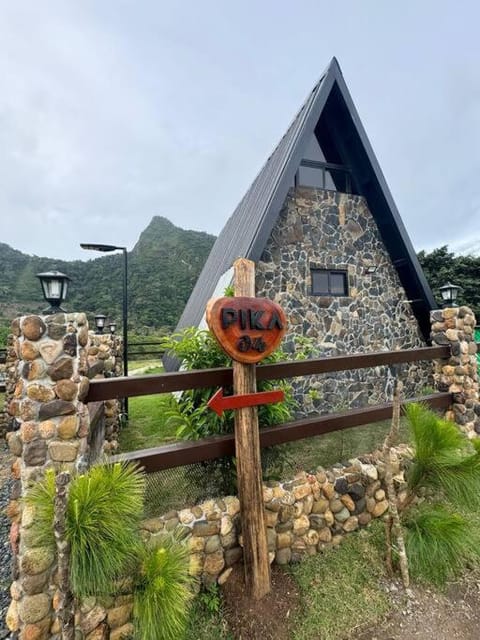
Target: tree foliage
column 441, row 266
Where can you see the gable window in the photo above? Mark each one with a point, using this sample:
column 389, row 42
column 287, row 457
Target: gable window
column 329, row 282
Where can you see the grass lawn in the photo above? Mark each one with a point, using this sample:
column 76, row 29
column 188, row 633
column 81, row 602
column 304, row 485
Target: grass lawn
column 340, row 589
column 146, row 425
column 340, row 592
column 144, row 367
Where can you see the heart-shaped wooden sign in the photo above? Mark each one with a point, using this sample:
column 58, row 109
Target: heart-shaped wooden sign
column 248, row 329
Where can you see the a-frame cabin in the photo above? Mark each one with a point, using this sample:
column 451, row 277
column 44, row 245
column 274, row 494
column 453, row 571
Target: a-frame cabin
column 329, row 243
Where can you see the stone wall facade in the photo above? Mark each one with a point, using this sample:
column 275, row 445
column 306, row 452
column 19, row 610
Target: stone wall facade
column 458, row 374
column 51, row 360
column 331, row 230
column 9, row 376
column 104, row 357
column 51, row 431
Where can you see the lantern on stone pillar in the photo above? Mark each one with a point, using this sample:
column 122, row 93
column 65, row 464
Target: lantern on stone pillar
column 100, row 322
column 54, row 288
column 449, row 294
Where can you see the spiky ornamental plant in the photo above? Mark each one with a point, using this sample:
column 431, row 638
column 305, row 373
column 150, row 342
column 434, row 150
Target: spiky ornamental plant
column 445, row 460
column 163, row 590
column 104, row 509
column 440, row 540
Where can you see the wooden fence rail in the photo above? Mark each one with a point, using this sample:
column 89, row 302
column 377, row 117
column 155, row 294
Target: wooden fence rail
column 181, row 380
column 183, row 453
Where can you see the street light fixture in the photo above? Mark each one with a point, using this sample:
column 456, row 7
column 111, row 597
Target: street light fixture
column 54, row 288
column 112, row 325
column 100, row 322
column 108, row 248
column 449, row 293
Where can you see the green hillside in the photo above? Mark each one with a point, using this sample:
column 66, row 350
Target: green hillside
column 163, row 268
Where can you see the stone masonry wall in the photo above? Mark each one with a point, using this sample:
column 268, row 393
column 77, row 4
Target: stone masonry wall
column 304, row 516
column 52, row 359
column 459, row 373
column 8, row 369
column 51, row 430
column 331, row 230
column 104, row 357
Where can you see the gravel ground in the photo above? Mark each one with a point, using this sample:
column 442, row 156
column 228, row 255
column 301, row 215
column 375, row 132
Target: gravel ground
column 5, row 552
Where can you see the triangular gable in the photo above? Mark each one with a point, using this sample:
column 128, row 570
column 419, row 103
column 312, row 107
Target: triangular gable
column 330, row 116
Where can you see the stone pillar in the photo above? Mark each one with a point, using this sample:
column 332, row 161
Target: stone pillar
column 458, row 374
column 6, row 420
column 105, row 361
column 52, row 424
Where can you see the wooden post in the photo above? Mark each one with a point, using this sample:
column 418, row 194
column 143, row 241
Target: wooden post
column 249, row 470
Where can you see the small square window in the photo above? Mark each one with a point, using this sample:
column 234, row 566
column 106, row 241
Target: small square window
column 327, row 282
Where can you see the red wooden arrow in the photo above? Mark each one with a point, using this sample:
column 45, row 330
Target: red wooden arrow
column 219, row 403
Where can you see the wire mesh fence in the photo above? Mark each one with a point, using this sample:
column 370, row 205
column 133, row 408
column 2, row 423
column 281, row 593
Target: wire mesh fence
column 185, row 486
column 188, row 485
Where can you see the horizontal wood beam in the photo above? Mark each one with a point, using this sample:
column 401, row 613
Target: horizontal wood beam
column 183, row 453
column 181, row 380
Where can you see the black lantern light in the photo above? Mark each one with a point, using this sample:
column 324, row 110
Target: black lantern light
column 100, row 322
column 54, row 287
column 449, row 293
column 112, row 325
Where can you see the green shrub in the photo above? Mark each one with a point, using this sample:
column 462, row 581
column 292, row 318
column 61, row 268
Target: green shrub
column 440, row 540
column 104, row 508
column 189, row 413
column 210, row 598
column 439, row 543
column 445, row 460
column 198, row 349
column 163, row 590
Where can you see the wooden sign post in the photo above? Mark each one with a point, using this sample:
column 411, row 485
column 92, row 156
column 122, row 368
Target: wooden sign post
column 249, row 466
column 248, row 329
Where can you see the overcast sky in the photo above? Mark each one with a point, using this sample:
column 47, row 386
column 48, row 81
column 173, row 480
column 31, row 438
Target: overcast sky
column 113, row 111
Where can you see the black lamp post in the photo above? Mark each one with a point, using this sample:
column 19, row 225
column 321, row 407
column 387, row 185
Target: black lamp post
column 54, row 287
column 112, row 325
column 449, row 294
column 108, row 248
column 100, row 322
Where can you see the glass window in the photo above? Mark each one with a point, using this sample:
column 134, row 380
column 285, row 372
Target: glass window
column 329, row 282
column 319, row 281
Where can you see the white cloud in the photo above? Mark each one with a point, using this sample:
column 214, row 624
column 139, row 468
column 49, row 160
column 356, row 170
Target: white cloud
column 114, row 111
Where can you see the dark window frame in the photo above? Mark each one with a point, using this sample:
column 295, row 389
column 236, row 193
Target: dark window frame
column 329, row 272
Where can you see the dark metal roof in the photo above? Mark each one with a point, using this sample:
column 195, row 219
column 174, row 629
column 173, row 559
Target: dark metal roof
column 330, row 114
